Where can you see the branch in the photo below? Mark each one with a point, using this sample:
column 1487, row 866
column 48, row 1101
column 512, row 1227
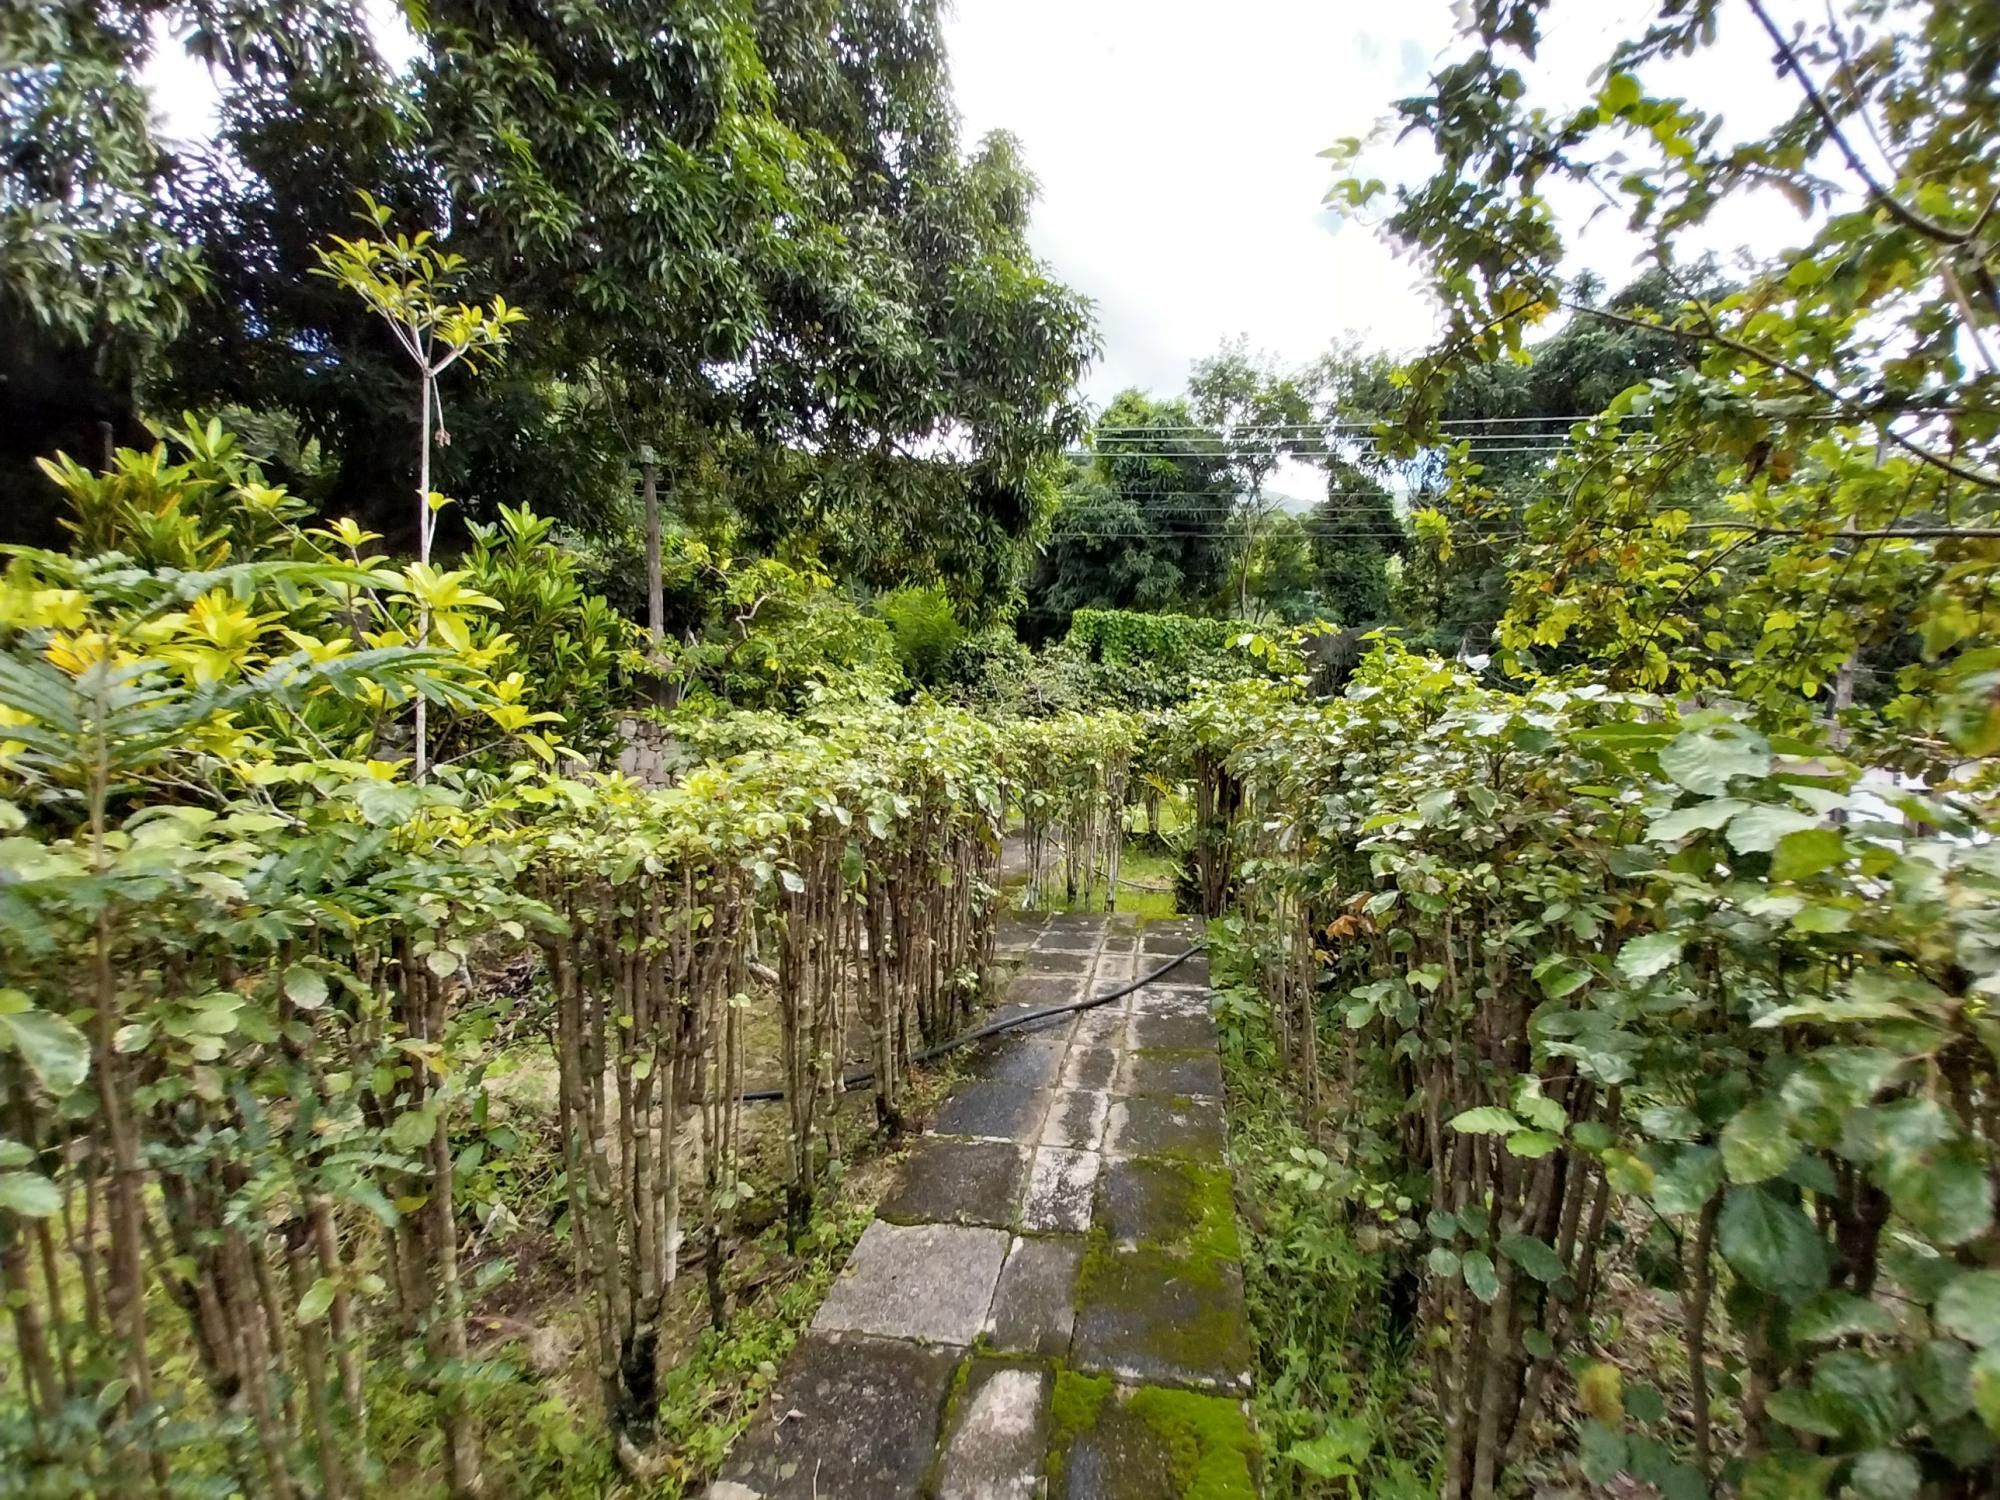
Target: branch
column 1901, row 212
column 1975, row 533
column 1750, row 351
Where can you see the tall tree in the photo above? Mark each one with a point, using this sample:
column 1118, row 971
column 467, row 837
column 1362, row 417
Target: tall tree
column 748, row 231
column 1262, row 415
column 1143, row 520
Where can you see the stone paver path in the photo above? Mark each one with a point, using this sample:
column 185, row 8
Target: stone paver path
column 1050, row 1302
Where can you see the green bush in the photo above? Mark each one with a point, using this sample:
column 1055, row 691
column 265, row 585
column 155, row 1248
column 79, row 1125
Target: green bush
column 925, row 631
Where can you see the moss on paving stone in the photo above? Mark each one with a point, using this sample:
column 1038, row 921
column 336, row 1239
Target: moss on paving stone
column 1170, row 1205
column 1164, row 1315
column 1147, row 1444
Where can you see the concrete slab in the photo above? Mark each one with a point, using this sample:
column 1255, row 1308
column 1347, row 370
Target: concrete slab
column 848, row 1416
column 1162, row 1317
column 1107, row 1026
column 999, row 1434
column 993, row 1111
column 1058, row 961
column 1159, row 1070
column 1069, row 940
column 1037, row 990
column 1173, row 1029
column 952, row 1181
column 1090, row 1066
column 1062, row 1185
column 1076, row 1119
column 1170, row 1000
column 1188, row 1129
column 928, row 1282
column 1031, row 1059
column 1034, row 1307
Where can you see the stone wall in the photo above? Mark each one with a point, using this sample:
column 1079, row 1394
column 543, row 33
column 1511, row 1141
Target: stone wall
column 645, row 751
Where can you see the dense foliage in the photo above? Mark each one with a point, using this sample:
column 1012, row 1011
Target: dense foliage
column 750, row 236
column 250, row 1023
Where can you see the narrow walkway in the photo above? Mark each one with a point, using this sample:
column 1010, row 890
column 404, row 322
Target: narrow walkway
column 1050, row 1302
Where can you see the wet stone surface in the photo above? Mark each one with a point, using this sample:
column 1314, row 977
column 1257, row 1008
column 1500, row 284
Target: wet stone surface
column 1170, row 1205
column 1125, row 1443
column 1034, row 1307
column 1076, row 1119
column 1172, row 1029
column 1062, row 1187
column 1182, row 1128
column 867, row 1424
column 1032, row 1061
column 949, row 1181
column 996, row 1111
column 1070, row 1216
column 1195, row 1072
column 1057, row 961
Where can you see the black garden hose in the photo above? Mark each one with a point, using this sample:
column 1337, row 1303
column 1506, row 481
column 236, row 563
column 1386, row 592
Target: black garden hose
column 861, row 1080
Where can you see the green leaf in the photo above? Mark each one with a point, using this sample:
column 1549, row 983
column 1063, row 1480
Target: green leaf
column 1757, row 1145
column 441, row 962
column 1787, row 1476
column 1480, row 1275
column 29, row 1194
column 1838, row 1315
column 1532, row 1144
column 318, row 1298
column 1673, row 826
column 1443, row 1261
column 1646, row 956
column 1800, row 1409
column 1944, row 1192
column 1969, row 1308
column 1772, row 1244
column 55, row 1051
column 1704, row 761
column 1801, row 855
column 304, row 987
column 1537, row 1257
column 1986, row 1387
column 412, row 1130
column 1532, row 1105
column 1758, row 829
column 1644, row 1403
column 1884, row 1474
column 1602, row 1451
column 1488, row 1119
column 1867, row 1396
column 1689, row 1179
column 1621, row 91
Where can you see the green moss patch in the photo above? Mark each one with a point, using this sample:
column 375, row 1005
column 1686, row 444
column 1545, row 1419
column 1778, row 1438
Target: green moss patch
column 1162, row 1315
column 1148, row 1444
column 1170, row 1205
